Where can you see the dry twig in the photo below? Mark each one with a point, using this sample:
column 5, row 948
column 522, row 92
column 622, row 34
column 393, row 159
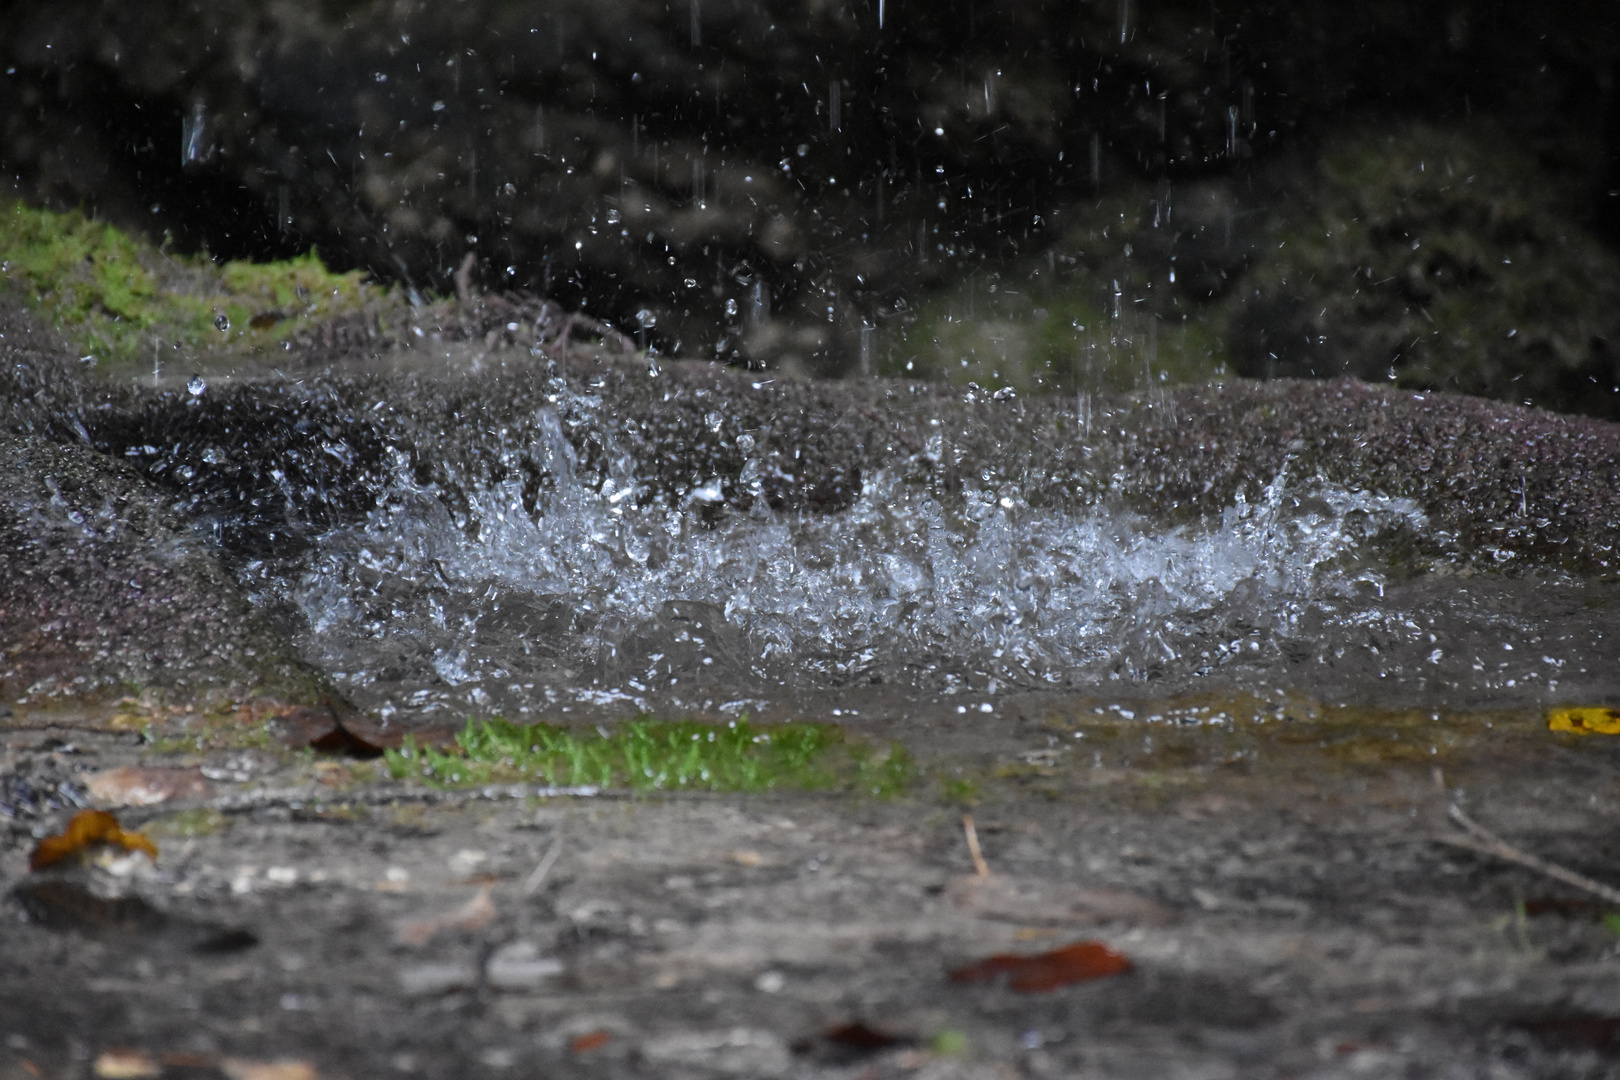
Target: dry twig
column 537, row 876
column 1486, row 842
column 980, row 867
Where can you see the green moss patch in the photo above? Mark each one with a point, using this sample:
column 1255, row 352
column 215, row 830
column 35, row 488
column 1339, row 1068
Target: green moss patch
column 127, row 303
column 1037, row 332
column 647, row 754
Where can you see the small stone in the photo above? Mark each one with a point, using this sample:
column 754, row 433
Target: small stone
column 431, row 980
column 519, row 966
column 285, row 1069
column 126, row 1065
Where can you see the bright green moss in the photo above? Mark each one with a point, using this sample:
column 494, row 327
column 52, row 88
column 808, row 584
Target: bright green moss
column 127, row 303
column 650, row 754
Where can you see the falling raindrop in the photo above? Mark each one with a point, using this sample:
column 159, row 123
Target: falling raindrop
column 222, row 323
column 759, row 305
column 195, row 147
column 196, row 387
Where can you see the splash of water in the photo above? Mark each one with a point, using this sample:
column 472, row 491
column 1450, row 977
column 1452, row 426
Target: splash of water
column 601, row 591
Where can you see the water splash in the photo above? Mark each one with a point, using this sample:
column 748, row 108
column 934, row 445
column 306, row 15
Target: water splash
column 599, row 588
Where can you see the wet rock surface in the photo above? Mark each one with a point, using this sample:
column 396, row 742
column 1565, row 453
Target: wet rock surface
column 1255, row 820
column 109, row 592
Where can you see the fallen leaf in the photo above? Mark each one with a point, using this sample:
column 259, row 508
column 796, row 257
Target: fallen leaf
column 1036, row 900
column 286, row 1069
column 1585, row 721
column 340, row 740
column 858, row 1036
column 591, row 1040
column 129, row 785
column 357, row 736
column 88, row 828
column 1566, row 907
column 1575, row 1031
column 126, row 1065
column 473, row 915
column 1047, row 971
column 848, row 1043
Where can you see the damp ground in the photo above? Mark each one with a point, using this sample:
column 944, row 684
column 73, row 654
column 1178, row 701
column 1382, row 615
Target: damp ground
column 1281, row 873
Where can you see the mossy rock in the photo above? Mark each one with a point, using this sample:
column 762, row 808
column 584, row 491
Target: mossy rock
column 129, row 305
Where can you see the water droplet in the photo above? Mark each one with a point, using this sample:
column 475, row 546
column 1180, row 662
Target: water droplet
column 222, row 323
column 646, row 319
column 196, row 386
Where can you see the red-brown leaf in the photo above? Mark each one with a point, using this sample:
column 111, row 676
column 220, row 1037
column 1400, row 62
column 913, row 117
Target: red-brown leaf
column 1038, row 974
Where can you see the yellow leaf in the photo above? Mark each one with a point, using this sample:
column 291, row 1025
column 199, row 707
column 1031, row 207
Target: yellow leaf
column 1585, row 721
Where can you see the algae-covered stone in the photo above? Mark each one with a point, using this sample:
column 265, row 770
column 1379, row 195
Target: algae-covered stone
column 128, row 304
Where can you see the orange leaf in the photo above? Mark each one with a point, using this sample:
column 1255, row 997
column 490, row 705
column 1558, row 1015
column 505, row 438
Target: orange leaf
column 1037, row 974
column 88, row 827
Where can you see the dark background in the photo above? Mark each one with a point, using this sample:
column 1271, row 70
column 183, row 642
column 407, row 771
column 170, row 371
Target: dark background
column 705, row 171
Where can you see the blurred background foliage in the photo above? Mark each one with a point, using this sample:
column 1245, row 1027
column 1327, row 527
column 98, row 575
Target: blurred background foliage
column 1421, row 192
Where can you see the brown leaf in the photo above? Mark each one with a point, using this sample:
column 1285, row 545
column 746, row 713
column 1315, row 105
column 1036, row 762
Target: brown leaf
column 1037, row 900
column 475, row 914
column 129, row 785
column 88, row 828
column 1047, row 971
column 322, row 728
column 591, row 1040
column 340, row 740
column 1576, row 1030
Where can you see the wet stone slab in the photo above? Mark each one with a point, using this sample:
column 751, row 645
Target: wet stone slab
column 1238, row 778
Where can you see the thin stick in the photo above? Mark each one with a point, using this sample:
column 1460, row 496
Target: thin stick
column 537, row 876
column 980, row 867
column 1489, row 843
